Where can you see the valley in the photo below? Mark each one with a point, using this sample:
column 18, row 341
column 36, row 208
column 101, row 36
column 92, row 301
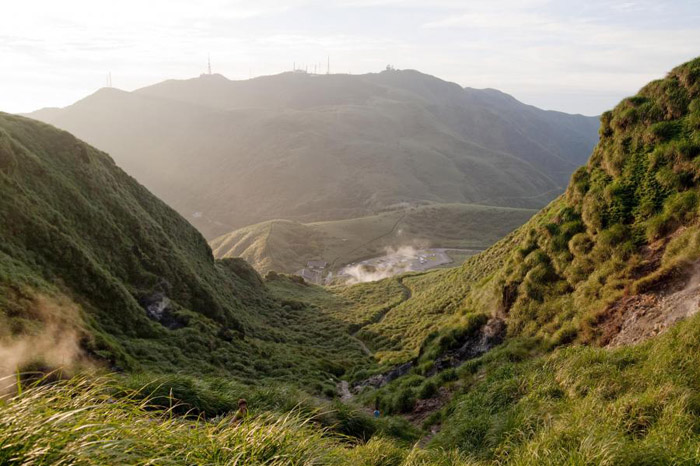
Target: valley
column 570, row 336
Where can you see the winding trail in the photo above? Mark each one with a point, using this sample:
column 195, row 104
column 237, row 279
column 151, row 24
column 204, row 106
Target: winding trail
column 407, row 293
column 364, row 347
column 489, row 201
column 345, row 394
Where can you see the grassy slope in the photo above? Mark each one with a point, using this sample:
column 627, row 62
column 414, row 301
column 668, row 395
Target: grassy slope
column 393, row 317
column 130, row 430
column 285, row 246
column 627, row 224
column 627, row 221
column 78, row 233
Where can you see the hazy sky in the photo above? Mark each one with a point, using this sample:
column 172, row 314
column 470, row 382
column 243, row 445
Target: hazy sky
column 576, row 56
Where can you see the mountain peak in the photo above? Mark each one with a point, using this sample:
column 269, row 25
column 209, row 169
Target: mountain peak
column 213, row 76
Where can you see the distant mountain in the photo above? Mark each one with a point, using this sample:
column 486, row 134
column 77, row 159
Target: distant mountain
column 286, row 246
column 302, row 147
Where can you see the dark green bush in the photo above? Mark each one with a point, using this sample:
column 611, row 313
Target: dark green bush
column 404, row 401
column 663, row 131
column 427, row 390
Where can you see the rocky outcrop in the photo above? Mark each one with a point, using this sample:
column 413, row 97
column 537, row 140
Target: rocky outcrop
column 158, row 307
column 490, row 335
column 634, row 319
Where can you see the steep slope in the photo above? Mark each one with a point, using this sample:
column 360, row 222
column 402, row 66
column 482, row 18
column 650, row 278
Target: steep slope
column 285, row 246
column 309, row 148
column 627, row 224
column 85, row 249
column 575, row 339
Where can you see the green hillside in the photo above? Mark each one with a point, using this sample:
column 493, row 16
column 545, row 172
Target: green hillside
column 610, row 263
column 88, row 252
column 228, row 154
column 285, row 246
column 573, row 340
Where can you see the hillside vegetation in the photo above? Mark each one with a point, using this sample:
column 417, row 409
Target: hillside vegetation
column 616, row 254
column 513, row 358
column 227, row 154
column 92, row 260
column 285, row 246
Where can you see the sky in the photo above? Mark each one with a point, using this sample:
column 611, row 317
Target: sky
column 574, row 56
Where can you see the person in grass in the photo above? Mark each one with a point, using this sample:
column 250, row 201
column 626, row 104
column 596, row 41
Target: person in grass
column 242, row 412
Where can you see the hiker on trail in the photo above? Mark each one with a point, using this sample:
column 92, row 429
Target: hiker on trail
column 242, row 412
column 376, row 408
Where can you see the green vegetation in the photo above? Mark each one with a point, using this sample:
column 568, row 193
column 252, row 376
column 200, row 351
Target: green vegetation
column 227, row 154
column 357, row 305
column 285, row 246
column 87, row 249
column 519, row 404
column 131, row 430
column 627, row 225
column 391, row 317
column 623, row 238
column 640, row 186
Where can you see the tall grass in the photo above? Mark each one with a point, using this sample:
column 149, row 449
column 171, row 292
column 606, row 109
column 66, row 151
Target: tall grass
column 80, row 421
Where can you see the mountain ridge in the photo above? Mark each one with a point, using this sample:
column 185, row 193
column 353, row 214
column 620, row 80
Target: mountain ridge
column 326, row 147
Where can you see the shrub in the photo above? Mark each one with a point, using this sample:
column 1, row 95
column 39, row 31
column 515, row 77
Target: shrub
column 624, row 119
column 613, row 236
column 605, row 129
column 351, row 422
column 678, row 209
column 579, row 184
column 662, row 131
column 404, row 401
column 427, row 390
column 566, row 334
column 592, row 211
column 448, row 375
column 580, row 244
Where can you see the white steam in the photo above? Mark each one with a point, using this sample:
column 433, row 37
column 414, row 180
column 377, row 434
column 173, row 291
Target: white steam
column 396, row 261
column 54, row 346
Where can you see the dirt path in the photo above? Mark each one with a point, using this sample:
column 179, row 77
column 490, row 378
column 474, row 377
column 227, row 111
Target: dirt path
column 559, row 189
column 364, row 347
column 407, row 293
column 344, row 389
